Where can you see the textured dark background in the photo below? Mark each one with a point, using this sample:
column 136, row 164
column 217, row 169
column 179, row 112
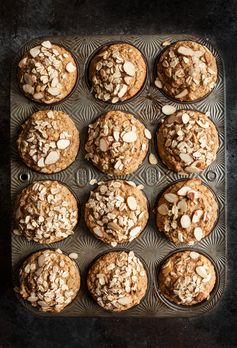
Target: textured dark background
column 23, row 20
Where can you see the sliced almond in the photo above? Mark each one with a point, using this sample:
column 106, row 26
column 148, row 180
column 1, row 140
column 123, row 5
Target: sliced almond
column 166, row 43
column 34, row 52
column 114, row 100
column 116, row 135
column 183, row 191
column 52, row 157
column 122, row 91
column 168, row 109
column 185, row 221
column 180, row 237
column 132, row 203
column 70, row 67
column 28, row 89
column 201, row 271
column 134, row 231
column 53, row 91
column 185, row 118
column 201, row 124
column 194, row 255
column 129, row 68
column 197, row 216
column 40, row 163
column 158, row 83
column 182, row 205
column 186, row 157
column 38, row 96
column 46, row 44
column 163, row 209
column 147, row 133
column 103, row 145
column 73, row 256
column 129, row 137
column 152, row 159
column 171, row 197
column 198, row 234
column 124, row 300
column 192, row 169
column 113, row 226
column 182, row 94
column 63, row 143
column 186, row 51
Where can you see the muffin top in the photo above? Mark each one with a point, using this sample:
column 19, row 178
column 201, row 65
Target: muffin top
column 186, row 71
column 117, row 72
column 117, row 281
column 116, row 212
column 46, row 212
column 186, row 212
column 187, row 141
column 49, row 280
column 47, row 73
column 117, row 143
column 49, row 141
column 186, row 278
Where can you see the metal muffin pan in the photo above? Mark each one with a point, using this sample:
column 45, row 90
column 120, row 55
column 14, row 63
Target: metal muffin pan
column 151, row 246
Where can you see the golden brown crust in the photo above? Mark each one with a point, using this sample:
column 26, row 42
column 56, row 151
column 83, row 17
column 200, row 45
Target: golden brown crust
column 187, row 278
column 187, row 141
column 49, row 141
column 47, row 73
column 117, row 143
column 117, row 281
column 46, row 212
column 49, row 280
column 186, row 212
column 116, row 212
column 117, row 72
column 186, row 71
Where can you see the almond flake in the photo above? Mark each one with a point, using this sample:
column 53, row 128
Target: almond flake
column 158, row 83
column 201, row 124
column 171, row 197
column 185, row 221
column 201, row 271
column 163, row 209
column 194, row 255
column 122, row 91
column 185, row 118
column 166, row 43
column 53, row 91
column 180, row 237
column 132, row 203
column 197, row 215
column 129, row 68
column 73, row 256
column 192, row 169
column 28, row 89
column 40, row 163
column 70, row 67
column 129, row 137
column 152, row 159
column 124, row 300
column 46, row 44
column 134, row 231
column 186, row 51
column 52, row 158
column 103, row 145
column 186, row 157
column 168, row 109
column 63, row 144
column 116, row 135
column 198, row 233
column 147, row 133
column 184, row 190
column 34, row 52
column 38, row 96
column 182, row 94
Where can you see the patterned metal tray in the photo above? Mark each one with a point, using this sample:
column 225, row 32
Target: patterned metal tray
column 151, row 246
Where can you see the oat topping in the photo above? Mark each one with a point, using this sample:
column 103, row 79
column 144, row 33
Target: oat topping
column 49, row 280
column 187, row 141
column 187, row 278
column 46, row 212
column 186, row 71
column 186, row 212
column 117, row 281
column 117, row 73
column 117, row 143
column 49, row 141
column 116, row 211
column 47, row 73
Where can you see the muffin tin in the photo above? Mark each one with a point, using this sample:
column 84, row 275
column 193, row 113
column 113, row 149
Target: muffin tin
column 151, row 246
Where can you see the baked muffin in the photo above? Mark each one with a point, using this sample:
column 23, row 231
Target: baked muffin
column 187, row 278
column 117, row 143
column 187, row 141
column 49, row 280
column 46, row 212
column 186, row 212
column 186, row 71
column 116, row 212
column 117, row 281
column 117, row 72
column 47, row 73
column 49, row 141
